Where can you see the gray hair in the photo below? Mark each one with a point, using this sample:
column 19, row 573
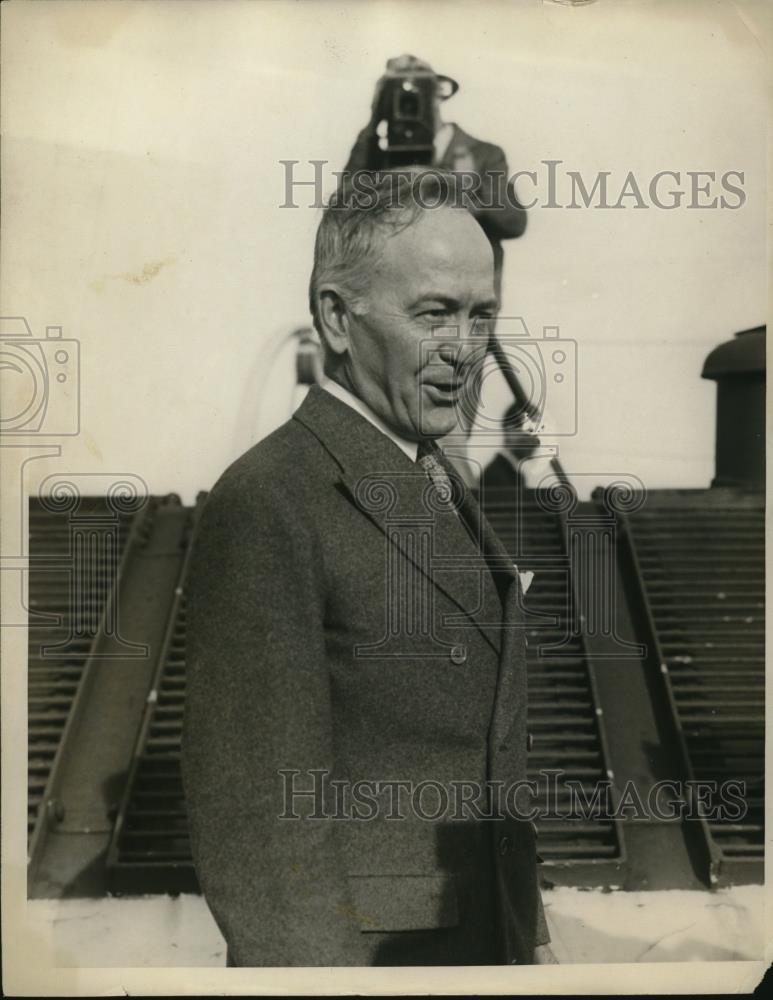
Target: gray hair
column 368, row 206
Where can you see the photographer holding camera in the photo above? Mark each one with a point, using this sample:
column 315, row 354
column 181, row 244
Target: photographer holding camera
column 407, row 129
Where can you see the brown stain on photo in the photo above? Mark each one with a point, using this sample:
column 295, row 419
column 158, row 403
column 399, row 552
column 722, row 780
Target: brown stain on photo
column 146, row 274
column 92, row 446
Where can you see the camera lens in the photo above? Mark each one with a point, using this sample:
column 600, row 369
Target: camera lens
column 408, row 105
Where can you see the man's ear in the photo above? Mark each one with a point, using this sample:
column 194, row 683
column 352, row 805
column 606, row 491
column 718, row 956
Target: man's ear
column 334, row 319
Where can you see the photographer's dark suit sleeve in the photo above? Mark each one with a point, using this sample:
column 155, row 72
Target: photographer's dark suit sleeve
column 507, row 219
column 258, row 701
column 364, row 150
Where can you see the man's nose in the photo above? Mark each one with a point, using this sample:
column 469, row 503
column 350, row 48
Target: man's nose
column 457, row 351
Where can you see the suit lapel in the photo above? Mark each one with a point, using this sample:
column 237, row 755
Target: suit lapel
column 397, row 496
column 511, row 679
column 497, row 556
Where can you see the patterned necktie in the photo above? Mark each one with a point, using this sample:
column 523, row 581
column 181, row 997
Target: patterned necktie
column 427, row 458
column 454, row 497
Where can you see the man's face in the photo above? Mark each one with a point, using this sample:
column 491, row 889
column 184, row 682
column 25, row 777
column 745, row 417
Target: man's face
column 411, row 342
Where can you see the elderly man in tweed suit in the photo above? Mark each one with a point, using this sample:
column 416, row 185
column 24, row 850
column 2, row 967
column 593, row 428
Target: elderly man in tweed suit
column 356, row 654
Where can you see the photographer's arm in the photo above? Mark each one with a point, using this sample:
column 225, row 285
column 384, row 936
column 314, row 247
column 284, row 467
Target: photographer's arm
column 364, row 150
column 258, row 701
column 505, row 217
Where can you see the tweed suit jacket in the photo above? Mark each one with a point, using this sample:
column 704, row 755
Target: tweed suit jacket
column 344, row 628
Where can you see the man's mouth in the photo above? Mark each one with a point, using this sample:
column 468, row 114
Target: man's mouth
column 444, row 392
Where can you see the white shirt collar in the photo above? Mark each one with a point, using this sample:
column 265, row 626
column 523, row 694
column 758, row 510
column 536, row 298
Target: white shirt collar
column 442, row 140
column 409, row 448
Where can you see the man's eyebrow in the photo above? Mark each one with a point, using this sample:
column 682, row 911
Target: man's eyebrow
column 490, row 305
column 446, row 300
column 452, row 304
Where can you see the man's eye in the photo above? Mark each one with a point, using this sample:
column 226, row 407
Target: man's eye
column 435, row 313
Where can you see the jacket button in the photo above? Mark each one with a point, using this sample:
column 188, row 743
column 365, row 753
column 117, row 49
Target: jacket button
column 504, row 845
column 459, row 654
column 529, row 742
